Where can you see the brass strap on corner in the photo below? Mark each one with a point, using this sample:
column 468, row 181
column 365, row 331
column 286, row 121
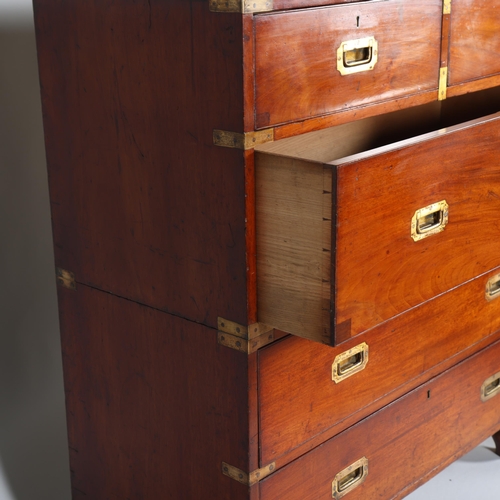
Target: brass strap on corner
column 446, row 6
column 242, row 338
column 65, row 278
column 248, row 479
column 241, row 6
column 443, row 83
column 246, row 140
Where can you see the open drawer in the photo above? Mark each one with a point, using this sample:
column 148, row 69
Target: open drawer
column 354, row 229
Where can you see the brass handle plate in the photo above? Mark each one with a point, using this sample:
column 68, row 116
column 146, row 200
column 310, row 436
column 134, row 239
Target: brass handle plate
column 490, row 387
column 358, row 55
column 349, row 478
column 350, row 362
column 493, row 287
column 429, row 220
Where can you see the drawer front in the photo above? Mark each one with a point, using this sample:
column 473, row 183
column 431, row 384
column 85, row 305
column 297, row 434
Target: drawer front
column 474, row 40
column 299, row 400
column 405, row 441
column 382, row 268
column 367, row 262
column 296, row 53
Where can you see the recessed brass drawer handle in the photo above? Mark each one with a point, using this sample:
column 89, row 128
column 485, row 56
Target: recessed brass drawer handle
column 349, row 478
column 350, row 362
column 493, row 287
column 490, row 387
column 358, row 55
column 429, row 220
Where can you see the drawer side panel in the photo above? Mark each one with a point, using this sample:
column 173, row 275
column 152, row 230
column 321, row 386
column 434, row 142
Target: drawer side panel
column 294, row 245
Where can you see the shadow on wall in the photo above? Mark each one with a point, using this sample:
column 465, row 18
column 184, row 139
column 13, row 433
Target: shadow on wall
column 33, row 446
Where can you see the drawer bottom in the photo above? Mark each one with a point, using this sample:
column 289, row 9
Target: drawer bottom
column 397, row 448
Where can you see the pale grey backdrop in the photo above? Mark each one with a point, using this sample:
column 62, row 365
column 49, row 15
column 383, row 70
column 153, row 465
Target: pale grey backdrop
column 33, row 456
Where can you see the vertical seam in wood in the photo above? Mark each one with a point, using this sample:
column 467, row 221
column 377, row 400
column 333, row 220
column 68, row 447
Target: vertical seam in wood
column 248, row 73
column 445, row 52
column 250, row 236
column 253, row 412
column 254, row 69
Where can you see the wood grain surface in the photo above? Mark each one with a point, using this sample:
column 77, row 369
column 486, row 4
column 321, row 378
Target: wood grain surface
column 143, row 204
column 294, row 247
column 474, row 40
column 295, row 4
column 300, row 404
column 155, row 405
column 380, row 270
column 296, row 74
column 414, row 437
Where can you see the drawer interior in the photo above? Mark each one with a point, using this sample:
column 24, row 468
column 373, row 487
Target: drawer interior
column 381, row 130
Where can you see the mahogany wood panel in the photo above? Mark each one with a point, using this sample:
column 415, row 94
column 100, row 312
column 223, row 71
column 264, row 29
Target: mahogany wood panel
column 299, row 402
column 154, row 403
column 377, row 268
column 414, row 436
column 358, row 113
column 474, row 42
column 296, row 74
column 474, row 86
column 295, row 4
column 380, row 270
column 143, row 204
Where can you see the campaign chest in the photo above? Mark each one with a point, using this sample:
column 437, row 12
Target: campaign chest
column 275, row 230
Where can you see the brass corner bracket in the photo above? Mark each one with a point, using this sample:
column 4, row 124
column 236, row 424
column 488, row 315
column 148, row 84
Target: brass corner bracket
column 242, row 338
column 246, row 140
column 241, row 6
column 248, row 479
column 65, row 278
column 446, row 6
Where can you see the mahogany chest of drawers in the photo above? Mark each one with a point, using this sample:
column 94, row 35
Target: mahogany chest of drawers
column 275, row 229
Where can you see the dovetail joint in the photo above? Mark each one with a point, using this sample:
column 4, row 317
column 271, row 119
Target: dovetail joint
column 246, row 140
column 65, row 278
column 241, row 6
column 246, row 478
